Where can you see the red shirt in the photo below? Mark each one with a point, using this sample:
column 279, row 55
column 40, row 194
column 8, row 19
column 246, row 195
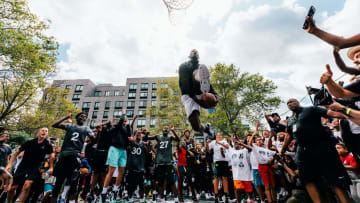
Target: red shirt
column 348, row 160
column 181, row 157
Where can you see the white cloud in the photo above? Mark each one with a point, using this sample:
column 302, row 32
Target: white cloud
column 112, row 40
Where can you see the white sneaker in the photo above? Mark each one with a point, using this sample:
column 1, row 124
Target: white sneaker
column 162, row 201
column 204, row 78
column 207, row 196
column 198, row 196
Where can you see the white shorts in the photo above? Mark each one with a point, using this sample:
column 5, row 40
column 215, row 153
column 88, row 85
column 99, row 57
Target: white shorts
column 189, row 104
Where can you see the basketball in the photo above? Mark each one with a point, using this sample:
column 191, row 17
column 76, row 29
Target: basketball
column 84, row 171
column 209, row 100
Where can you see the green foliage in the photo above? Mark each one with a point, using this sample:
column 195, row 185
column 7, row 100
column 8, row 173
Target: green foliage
column 27, row 57
column 168, row 109
column 241, row 96
column 51, row 107
column 18, row 138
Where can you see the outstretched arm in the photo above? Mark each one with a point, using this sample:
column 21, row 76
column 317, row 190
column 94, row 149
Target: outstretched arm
column 342, row 66
column 59, row 124
column 332, row 39
column 176, row 137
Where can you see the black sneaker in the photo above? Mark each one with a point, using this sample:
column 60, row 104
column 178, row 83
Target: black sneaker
column 181, row 199
column 226, row 200
column 103, row 198
column 194, row 199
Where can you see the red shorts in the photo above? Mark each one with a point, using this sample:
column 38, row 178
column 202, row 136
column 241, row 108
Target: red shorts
column 243, row 185
column 266, row 174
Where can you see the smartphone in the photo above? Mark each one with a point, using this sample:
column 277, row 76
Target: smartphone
column 310, row 14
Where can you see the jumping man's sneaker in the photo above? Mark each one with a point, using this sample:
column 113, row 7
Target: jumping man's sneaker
column 204, row 77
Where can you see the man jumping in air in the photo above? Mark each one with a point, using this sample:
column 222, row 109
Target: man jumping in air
column 196, row 90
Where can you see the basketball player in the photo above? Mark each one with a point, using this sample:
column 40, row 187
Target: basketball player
column 196, row 90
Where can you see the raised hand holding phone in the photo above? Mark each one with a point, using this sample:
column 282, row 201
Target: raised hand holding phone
column 309, row 19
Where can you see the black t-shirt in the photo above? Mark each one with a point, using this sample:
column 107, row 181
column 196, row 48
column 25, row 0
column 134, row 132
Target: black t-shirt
column 120, row 134
column 74, row 139
column 5, row 151
column 136, row 157
column 164, row 150
column 276, row 127
column 354, row 87
column 104, row 139
column 190, row 147
column 34, row 153
column 306, row 126
column 199, row 162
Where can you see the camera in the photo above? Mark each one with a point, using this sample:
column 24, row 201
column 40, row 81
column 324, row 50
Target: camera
column 323, row 97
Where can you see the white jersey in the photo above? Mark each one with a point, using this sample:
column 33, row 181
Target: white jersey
column 262, row 154
column 240, row 164
column 217, row 150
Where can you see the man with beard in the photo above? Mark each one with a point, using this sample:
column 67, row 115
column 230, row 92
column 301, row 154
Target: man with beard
column 68, row 165
column 274, row 123
column 28, row 171
column 164, row 168
column 315, row 152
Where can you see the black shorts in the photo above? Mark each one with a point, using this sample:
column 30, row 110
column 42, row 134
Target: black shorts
column 135, row 178
column 67, row 166
column 164, row 172
column 321, row 163
column 23, row 174
column 222, row 169
column 99, row 163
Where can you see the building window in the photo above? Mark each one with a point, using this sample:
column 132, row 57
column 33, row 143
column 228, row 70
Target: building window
column 132, row 95
column 152, row 122
column 143, row 104
column 144, row 86
column 132, row 87
column 118, row 104
column 86, row 105
column 130, row 121
column 130, row 104
column 116, row 93
column 154, row 86
column 97, row 105
column 67, row 87
column 123, row 93
column 107, row 104
column 92, row 123
column 94, row 114
column 153, row 112
column 153, row 94
column 141, row 123
column 107, row 93
column 153, row 102
column 143, row 95
column 79, row 88
column 106, row 114
column 163, row 85
column 141, row 113
column 117, row 113
column 97, row 94
column 164, row 104
column 76, row 97
column 76, row 104
column 130, row 113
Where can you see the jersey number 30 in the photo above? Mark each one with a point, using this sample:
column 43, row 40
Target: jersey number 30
column 136, row 151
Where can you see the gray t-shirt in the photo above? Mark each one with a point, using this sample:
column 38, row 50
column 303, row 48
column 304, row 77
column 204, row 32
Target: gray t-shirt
column 5, row 151
column 74, row 139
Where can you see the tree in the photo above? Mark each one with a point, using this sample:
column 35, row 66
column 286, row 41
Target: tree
column 27, row 57
column 168, row 108
column 242, row 96
column 51, row 107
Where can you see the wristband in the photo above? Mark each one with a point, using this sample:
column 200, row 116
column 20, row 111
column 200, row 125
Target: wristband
column 348, row 111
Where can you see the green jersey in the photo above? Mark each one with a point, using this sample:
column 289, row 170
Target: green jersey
column 164, row 150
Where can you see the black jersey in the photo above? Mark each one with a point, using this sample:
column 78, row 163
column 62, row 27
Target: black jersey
column 136, row 157
column 104, row 139
column 190, row 147
column 164, row 150
column 74, row 139
column 34, row 153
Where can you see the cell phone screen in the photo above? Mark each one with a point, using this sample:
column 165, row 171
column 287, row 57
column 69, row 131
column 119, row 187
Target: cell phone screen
column 310, row 14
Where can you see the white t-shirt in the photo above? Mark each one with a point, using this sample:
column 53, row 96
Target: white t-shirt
column 240, row 164
column 262, row 154
column 253, row 160
column 278, row 145
column 217, row 153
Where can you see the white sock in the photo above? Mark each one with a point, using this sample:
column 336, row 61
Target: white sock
column 155, row 192
column 176, row 199
column 116, row 188
column 64, row 193
column 104, row 191
column 71, row 201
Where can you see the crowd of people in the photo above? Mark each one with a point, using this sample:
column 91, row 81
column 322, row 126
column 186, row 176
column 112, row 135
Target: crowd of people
column 311, row 156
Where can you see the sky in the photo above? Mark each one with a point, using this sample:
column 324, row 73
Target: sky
column 109, row 41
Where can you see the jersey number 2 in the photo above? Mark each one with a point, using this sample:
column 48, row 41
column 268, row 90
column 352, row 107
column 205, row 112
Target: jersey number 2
column 75, row 137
